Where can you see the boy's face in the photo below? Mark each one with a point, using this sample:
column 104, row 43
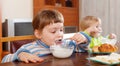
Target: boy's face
column 98, row 30
column 51, row 34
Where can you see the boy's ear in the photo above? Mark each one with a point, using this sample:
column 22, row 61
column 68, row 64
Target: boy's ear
column 37, row 34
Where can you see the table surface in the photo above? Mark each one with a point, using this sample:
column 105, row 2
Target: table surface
column 77, row 59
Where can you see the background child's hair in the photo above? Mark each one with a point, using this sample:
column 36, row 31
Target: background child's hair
column 46, row 17
column 87, row 21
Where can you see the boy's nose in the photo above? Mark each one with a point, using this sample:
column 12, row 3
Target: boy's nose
column 100, row 30
column 60, row 34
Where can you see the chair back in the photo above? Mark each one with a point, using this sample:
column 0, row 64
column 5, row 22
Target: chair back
column 15, row 45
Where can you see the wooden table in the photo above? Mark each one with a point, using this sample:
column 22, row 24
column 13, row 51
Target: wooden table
column 77, row 59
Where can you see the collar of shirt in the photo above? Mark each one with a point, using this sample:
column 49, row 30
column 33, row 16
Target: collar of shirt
column 42, row 43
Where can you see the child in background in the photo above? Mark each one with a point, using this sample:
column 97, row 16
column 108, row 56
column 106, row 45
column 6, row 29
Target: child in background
column 92, row 26
column 48, row 29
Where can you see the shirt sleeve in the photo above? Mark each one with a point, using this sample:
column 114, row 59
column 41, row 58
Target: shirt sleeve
column 83, row 46
column 14, row 56
column 86, row 36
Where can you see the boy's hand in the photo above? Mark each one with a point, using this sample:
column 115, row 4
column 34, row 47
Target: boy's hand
column 79, row 38
column 112, row 36
column 27, row 57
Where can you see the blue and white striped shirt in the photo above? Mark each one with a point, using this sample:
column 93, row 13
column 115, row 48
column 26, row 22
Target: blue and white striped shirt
column 40, row 49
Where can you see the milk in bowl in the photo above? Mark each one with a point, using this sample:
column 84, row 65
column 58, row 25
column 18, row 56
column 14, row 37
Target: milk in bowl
column 63, row 50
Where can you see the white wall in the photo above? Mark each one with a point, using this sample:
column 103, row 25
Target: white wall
column 17, row 9
column 98, row 8
column 107, row 10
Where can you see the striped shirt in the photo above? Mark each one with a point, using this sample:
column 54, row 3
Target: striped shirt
column 40, row 49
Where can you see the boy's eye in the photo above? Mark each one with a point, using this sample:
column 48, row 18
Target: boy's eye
column 98, row 26
column 61, row 30
column 53, row 32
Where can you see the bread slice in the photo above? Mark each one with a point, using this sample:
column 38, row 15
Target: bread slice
column 107, row 48
column 95, row 49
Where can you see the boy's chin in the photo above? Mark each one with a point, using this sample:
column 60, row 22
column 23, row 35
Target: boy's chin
column 95, row 36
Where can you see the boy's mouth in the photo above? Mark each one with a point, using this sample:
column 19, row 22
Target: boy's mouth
column 58, row 41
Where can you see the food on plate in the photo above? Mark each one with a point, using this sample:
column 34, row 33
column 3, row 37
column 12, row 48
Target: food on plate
column 113, row 58
column 95, row 49
column 105, row 48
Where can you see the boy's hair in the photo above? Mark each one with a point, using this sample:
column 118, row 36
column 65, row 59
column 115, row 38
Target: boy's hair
column 46, row 17
column 87, row 21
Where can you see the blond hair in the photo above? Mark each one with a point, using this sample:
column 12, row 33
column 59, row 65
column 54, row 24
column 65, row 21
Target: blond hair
column 87, row 21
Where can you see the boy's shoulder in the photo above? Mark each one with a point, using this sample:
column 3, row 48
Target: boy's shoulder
column 34, row 43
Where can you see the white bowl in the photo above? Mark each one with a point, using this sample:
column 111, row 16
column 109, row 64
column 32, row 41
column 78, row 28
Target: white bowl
column 61, row 52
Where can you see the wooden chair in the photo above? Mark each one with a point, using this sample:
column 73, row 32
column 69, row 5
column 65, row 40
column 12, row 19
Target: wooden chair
column 15, row 45
column 16, row 42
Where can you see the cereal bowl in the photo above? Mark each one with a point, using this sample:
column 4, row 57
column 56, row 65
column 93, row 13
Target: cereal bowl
column 61, row 50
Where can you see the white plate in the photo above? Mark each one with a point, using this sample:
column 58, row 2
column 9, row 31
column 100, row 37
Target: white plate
column 98, row 52
column 99, row 61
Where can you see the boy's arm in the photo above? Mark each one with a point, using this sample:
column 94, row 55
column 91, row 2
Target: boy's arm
column 9, row 57
column 25, row 54
column 112, row 36
column 82, row 46
column 86, row 36
column 14, row 56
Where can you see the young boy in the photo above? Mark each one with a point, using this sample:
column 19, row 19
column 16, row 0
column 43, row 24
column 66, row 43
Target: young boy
column 48, row 29
column 91, row 26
